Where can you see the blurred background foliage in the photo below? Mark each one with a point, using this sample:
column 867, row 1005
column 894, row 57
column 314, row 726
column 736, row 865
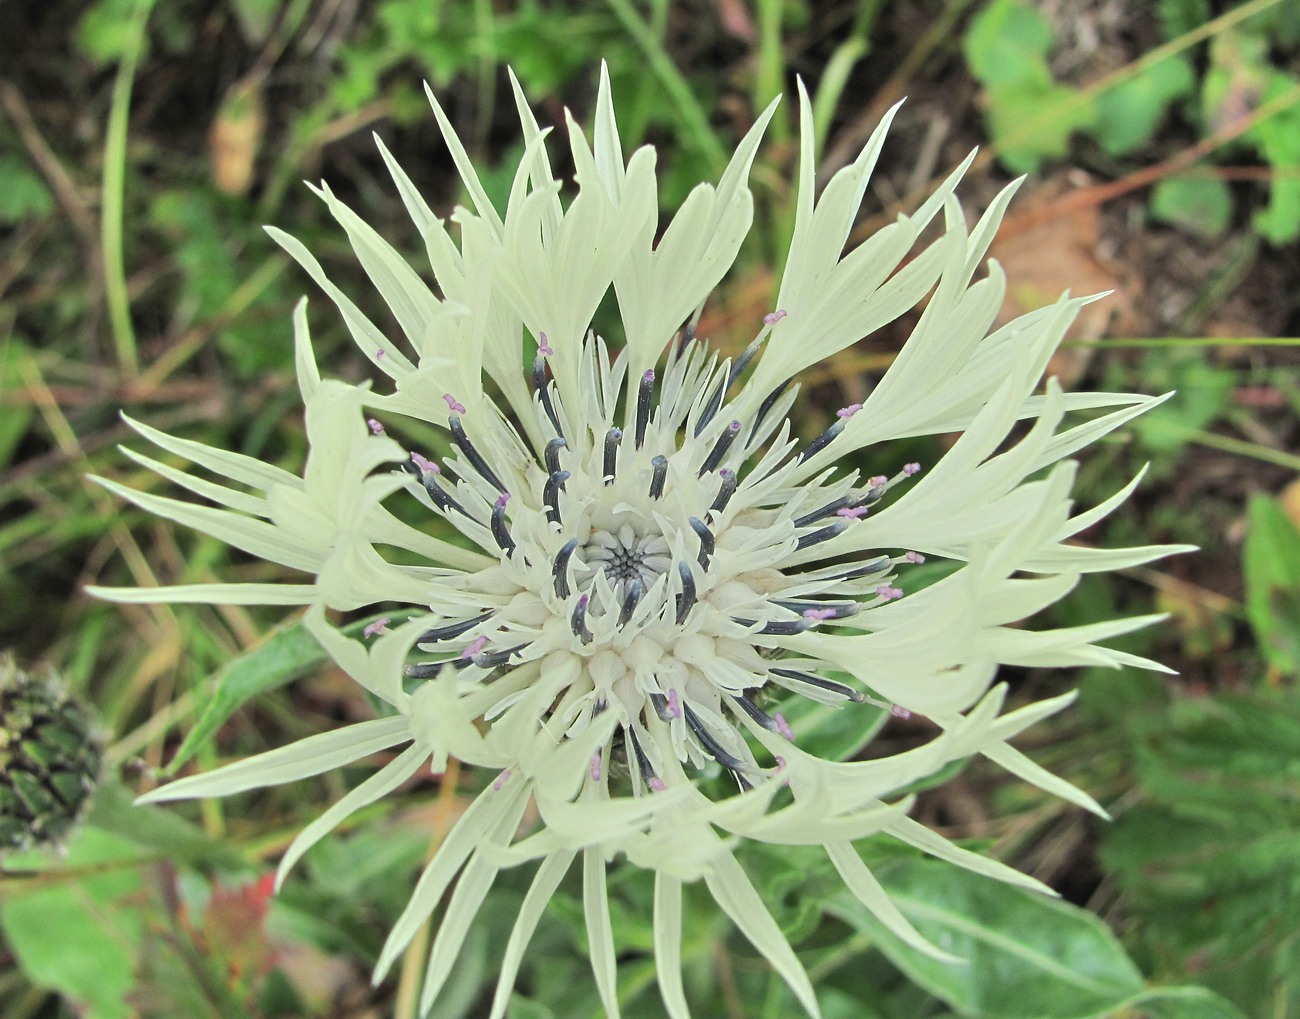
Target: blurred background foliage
column 143, row 144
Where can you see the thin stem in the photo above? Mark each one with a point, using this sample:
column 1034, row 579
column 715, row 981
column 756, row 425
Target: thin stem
column 113, row 195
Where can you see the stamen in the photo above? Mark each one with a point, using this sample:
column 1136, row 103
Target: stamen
column 643, row 394
column 495, row 659
column 450, row 631
column 822, row 441
column 766, row 406
column 376, row 627
column 551, row 494
column 817, row 537
column 660, row 703
column 889, row 593
column 578, row 621
column 611, row 453
column 720, row 448
column 821, row 683
column 474, row 647
column 543, row 347
column 821, row 611
column 454, row 405
column 712, row 407
column 544, row 394
column 635, row 592
column 375, row 427
column 660, row 466
column 560, row 568
column 725, row 491
column 643, row 762
column 755, row 712
column 820, row 512
column 441, row 499
column 685, row 600
column 775, row 627
column 710, row 744
column 853, row 512
column 914, row 557
column 849, row 411
column 865, row 570
column 420, row 465
column 773, row 317
column 741, row 363
column 552, row 454
column 674, row 703
column 707, row 543
column 499, row 531
column 912, row 468
column 472, row 454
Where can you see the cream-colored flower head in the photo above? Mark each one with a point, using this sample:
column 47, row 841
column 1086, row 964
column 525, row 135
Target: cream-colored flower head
column 633, row 567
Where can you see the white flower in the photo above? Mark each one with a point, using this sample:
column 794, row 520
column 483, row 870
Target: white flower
column 649, row 563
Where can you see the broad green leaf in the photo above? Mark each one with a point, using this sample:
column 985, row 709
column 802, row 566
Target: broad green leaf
column 79, row 935
column 1271, row 564
column 159, row 832
column 1028, row 956
column 286, row 654
column 1199, row 205
column 1006, row 42
column 1129, row 113
column 1178, row 1003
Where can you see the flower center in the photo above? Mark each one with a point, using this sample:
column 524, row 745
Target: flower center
column 624, row 556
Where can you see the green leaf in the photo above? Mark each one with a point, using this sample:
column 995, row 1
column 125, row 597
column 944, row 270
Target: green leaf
column 1007, row 42
column 1198, row 205
column 287, row 653
column 24, row 195
column 1028, row 956
column 80, row 935
column 1181, row 1003
column 1032, row 120
column 1272, row 571
column 1129, row 113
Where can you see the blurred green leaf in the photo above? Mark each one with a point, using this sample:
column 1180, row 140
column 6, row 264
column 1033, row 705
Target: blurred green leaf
column 79, row 935
column 1271, row 562
column 1202, row 392
column 1007, row 42
column 287, row 653
column 1199, row 205
column 17, row 415
column 1128, row 114
column 24, row 195
column 1028, row 956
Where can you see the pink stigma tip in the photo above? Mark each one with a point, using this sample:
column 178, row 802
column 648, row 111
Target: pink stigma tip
column 503, row 498
column 818, row 614
column 914, row 557
column 889, row 593
column 474, row 647
column 453, row 404
column 783, row 727
column 426, row 465
column 849, row 411
column 648, row 375
column 375, row 427
column 898, row 711
column 502, row 779
column 878, row 479
column 674, row 704
column 595, row 767
column 656, row 784
column 853, row 512
column 773, row 317
column 380, row 355
column 543, row 347
column 910, row 469
column 380, row 625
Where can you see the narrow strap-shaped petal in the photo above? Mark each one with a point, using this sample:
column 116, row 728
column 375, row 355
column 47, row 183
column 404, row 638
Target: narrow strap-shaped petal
column 246, row 470
column 736, row 895
column 668, row 945
column 311, row 756
column 600, row 932
column 473, row 826
column 210, row 594
column 304, row 358
column 917, row 835
column 472, row 888
column 230, row 498
column 866, row 888
column 376, row 787
column 545, row 882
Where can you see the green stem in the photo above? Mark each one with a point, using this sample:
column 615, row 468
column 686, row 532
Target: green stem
column 113, row 195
